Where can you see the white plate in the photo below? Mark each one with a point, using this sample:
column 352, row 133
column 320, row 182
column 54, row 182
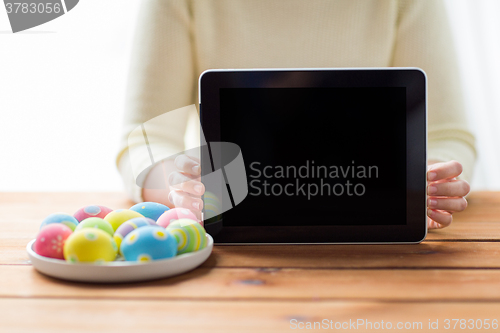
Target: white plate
column 119, row 271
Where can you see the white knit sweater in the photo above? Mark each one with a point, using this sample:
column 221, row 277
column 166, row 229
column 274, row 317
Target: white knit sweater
column 176, row 40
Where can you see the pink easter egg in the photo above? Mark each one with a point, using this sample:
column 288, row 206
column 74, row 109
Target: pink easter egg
column 50, row 240
column 92, row 211
column 174, row 214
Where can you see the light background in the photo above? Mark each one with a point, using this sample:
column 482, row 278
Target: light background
column 62, row 88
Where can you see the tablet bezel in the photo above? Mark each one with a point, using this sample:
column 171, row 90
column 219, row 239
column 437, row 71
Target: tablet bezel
column 414, row 79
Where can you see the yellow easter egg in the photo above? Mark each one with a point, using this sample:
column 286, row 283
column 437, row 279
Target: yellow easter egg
column 90, row 245
column 117, row 217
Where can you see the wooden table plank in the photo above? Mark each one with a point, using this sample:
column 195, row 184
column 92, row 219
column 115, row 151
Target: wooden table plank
column 259, row 288
column 27, row 229
column 483, row 206
column 13, row 228
column 34, row 207
column 466, row 231
column 56, row 315
column 428, row 254
column 37, row 203
column 260, row 284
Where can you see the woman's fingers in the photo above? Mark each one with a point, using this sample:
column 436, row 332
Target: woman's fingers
column 186, row 186
column 188, row 165
column 444, row 170
column 442, row 218
column 431, row 224
column 453, row 188
column 445, row 193
column 185, row 200
column 448, row 204
column 186, row 183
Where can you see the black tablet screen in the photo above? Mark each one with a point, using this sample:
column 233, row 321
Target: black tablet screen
column 318, row 156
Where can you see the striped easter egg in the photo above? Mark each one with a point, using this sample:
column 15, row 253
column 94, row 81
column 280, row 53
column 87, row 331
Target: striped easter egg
column 190, row 235
column 212, row 203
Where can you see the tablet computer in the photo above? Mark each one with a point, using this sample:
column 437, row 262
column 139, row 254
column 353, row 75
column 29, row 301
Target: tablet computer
column 330, row 155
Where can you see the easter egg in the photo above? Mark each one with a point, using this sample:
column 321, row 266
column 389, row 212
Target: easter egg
column 96, row 222
column 174, row 214
column 190, row 235
column 148, row 243
column 90, row 245
column 50, row 240
column 212, row 204
column 118, row 217
column 212, row 207
column 129, row 226
column 91, row 211
column 62, row 218
column 152, row 210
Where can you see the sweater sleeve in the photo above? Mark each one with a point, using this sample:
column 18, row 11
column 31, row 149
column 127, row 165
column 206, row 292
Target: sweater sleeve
column 424, row 40
column 161, row 79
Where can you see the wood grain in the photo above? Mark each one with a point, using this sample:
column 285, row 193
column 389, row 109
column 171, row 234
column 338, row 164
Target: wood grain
column 61, row 201
column 22, row 213
column 270, row 284
column 26, row 229
column 466, row 231
column 428, row 254
column 483, row 206
column 16, row 230
column 83, row 316
column 455, row 273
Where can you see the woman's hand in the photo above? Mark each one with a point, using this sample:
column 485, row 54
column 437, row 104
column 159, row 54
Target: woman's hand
column 185, row 184
column 445, row 193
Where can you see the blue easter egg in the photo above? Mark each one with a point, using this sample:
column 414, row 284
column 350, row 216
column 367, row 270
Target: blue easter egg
column 66, row 219
column 152, row 210
column 148, row 243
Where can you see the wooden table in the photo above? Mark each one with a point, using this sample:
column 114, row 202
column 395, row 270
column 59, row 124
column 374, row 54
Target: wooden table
column 453, row 274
